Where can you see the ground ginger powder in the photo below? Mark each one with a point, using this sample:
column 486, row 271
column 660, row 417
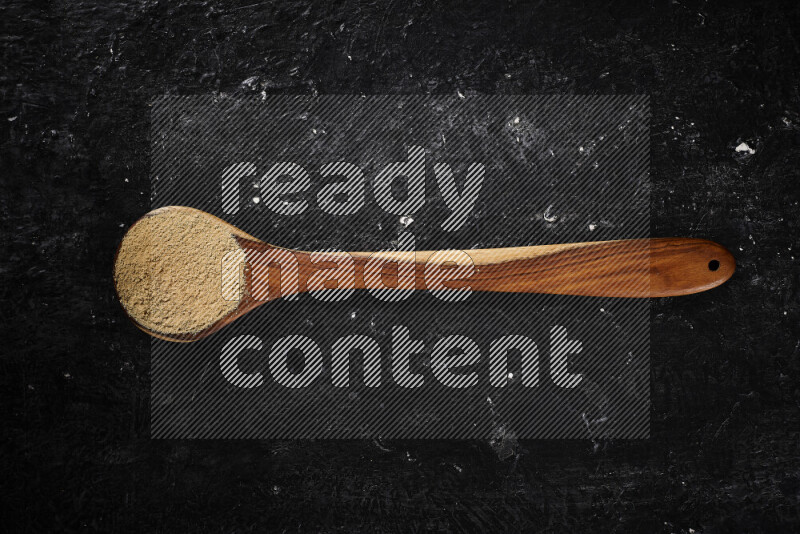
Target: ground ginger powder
column 168, row 271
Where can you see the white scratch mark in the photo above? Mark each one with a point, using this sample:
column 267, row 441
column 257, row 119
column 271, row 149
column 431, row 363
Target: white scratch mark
column 549, row 217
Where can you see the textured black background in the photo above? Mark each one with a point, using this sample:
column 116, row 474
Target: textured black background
column 76, row 79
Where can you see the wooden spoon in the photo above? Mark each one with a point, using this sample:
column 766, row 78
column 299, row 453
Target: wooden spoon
column 169, row 267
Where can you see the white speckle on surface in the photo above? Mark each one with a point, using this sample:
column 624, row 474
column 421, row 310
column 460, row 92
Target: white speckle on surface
column 516, row 120
column 592, row 227
column 349, row 57
column 581, row 149
column 378, row 444
column 12, row 119
column 511, row 376
column 460, row 94
column 256, row 200
column 314, row 131
column 507, row 75
column 353, row 315
column 250, row 82
column 744, row 147
column 67, row 376
column 405, row 220
column 549, row 217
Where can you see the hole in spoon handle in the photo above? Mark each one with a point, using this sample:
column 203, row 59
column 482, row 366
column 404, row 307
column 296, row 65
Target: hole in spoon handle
column 682, row 266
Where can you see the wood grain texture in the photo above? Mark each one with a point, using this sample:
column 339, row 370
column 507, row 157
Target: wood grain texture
column 637, row 268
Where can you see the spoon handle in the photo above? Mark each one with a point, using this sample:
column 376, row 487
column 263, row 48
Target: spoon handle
column 634, row 268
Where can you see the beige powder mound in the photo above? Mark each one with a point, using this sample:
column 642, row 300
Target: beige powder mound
column 169, row 267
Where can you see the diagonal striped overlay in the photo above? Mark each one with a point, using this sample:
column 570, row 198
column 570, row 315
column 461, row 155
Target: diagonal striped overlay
column 498, row 171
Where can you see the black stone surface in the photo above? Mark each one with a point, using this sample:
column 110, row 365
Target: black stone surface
column 75, row 81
